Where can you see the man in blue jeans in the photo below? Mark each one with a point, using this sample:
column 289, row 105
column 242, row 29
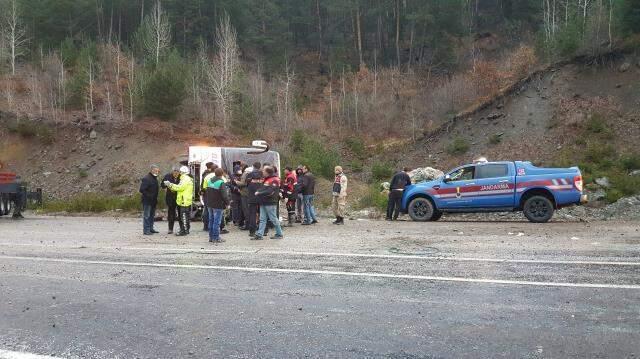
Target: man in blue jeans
column 216, row 198
column 149, row 189
column 308, row 188
column 268, row 196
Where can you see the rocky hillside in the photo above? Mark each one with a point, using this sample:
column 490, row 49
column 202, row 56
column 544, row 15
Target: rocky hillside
column 556, row 117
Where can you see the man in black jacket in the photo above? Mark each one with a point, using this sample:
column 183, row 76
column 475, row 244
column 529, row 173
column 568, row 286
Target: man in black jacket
column 396, row 189
column 254, row 182
column 149, row 189
column 308, row 188
column 170, row 197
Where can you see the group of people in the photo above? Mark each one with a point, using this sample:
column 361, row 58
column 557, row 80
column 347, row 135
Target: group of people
column 249, row 197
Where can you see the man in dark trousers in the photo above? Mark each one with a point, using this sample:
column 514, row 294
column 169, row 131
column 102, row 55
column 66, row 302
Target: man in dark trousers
column 237, row 214
column 170, row 197
column 289, row 193
column 254, row 182
column 396, row 189
column 149, row 189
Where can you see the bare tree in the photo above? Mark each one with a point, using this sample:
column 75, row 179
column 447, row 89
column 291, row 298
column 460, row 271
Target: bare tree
column 14, row 34
column 156, row 32
column 286, row 96
column 331, row 95
column 222, row 71
column 130, row 87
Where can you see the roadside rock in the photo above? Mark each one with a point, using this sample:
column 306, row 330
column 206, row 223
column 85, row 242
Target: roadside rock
column 625, row 67
column 93, row 135
column 495, row 116
column 603, row 182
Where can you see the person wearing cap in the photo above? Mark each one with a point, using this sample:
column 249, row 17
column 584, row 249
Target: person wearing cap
column 396, row 189
column 206, row 176
column 149, row 189
column 184, row 199
column 170, row 197
column 339, row 194
column 289, row 193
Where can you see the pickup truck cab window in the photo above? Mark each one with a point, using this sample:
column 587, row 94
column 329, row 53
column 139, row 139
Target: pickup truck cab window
column 491, row 171
column 462, row 174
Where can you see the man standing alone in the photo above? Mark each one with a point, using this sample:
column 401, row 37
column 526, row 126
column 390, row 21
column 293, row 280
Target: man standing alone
column 149, row 189
column 396, row 189
column 339, row 200
column 184, row 199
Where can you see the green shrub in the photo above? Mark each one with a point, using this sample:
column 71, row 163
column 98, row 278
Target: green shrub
column 118, row 182
column 297, row 140
column 308, row 151
column 164, row 89
column 356, row 166
column 374, row 199
column 495, row 139
column 599, row 153
column 83, row 173
column 630, row 162
column 627, row 185
column 31, row 129
column 94, row 203
column 596, row 125
column 381, row 171
column 612, row 195
column 458, row 146
column 356, row 146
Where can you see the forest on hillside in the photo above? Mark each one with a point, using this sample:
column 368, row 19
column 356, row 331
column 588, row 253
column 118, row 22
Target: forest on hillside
column 391, row 68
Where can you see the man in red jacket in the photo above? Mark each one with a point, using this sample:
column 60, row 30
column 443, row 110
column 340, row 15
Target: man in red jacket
column 289, row 194
column 268, row 197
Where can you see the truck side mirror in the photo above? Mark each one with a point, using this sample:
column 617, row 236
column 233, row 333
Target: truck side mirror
column 446, row 179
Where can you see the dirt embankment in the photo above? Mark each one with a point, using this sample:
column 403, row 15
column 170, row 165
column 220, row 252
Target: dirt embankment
column 539, row 116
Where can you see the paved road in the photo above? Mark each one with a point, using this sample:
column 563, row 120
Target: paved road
column 96, row 288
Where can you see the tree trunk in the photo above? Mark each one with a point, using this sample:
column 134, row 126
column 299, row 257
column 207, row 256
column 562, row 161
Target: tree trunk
column 359, row 35
column 397, row 11
column 319, row 29
column 413, row 26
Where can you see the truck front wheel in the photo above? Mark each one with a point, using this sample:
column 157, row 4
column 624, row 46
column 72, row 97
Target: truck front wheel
column 538, row 209
column 421, row 210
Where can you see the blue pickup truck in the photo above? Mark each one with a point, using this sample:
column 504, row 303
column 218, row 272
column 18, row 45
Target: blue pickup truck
column 496, row 187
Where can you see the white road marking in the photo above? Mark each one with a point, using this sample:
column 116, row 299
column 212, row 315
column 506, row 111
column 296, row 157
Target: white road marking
column 341, row 254
column 333, row 273
column 7, row 354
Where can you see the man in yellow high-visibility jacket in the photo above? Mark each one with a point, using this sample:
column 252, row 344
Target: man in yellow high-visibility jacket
column 184, row 199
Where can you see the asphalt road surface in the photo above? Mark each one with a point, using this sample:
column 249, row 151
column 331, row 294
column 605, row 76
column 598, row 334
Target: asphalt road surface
column 97, row 288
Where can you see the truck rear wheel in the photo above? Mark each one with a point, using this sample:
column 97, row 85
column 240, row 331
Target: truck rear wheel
column 538, row 209
column 421, row 210
column 5, row 204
